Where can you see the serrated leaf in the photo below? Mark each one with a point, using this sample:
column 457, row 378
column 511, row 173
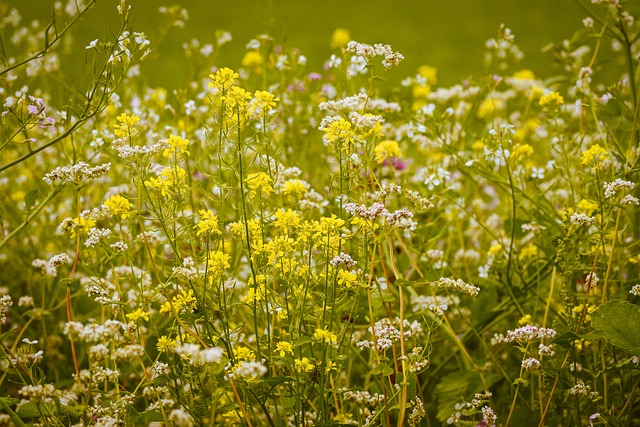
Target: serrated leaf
column 288, row 401
column 619, row 322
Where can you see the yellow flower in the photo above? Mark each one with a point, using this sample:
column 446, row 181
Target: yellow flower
column 81, row 226
column 421, row 91
column 330, row 366
column 283, row 347
column 304, row 365
column 339, row 131
column 386, row 150
column 184, row 301
column 325, row 336
column 524, row 75
column 259, row 182
column 208, row 223
column 529, row 251
column 488, row 107
column 237, row 99
column 165, row 307
column 177, row 147
column 551, row 99
column 286, row 220
column 263, row 102
column 428, row 72
column 579, row 308
column 218, row 262
column 166, row 344
column 134, row 316
column 523, row 150
column 253, row 59
column 340, row 38
column 118, row 205
column 525, row 320
column 477, row 145
column 587, row 207
column 243, row 353
column 170, row 179
column 594, row 157
column 125, row 128
column 231, row 418
column 347, row 278
column 495, row 249
column 222, row 79
column 295, row 187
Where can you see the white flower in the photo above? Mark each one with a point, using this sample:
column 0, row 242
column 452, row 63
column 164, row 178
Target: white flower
column 92, row 45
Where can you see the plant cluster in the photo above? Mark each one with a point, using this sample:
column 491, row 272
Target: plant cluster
column 273, row 246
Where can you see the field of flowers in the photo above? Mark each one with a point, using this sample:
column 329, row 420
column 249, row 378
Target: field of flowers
column 274, row 246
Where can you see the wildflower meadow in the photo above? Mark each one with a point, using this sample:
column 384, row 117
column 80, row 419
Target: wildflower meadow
column 275, row 244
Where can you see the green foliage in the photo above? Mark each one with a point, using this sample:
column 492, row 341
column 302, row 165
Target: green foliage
column 619, row 322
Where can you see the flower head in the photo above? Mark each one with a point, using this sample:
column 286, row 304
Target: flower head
column 594, row 157
column 118, row 205
column 222, row 79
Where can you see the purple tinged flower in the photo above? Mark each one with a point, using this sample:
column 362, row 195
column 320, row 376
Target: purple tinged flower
column 395, row 163
column 315, row 76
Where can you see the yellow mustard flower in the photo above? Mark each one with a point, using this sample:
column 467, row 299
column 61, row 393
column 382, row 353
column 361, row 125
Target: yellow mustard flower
column 259, row 182
column 304, row 365
column 237, row 99
column 594, row 157
column 125, row 126
column 222, row 79
column 551, row 99
column 340, row 38
column 339, row 131
column 325, row 336
column 386, row 150
column 165, row 344
column 488, row 107
column 138, row 314
column 176, row 147
column 522, row 150
column 283, row 348
column 118, row 205
column 295, row 188
column 208, row 223
column 286, row 220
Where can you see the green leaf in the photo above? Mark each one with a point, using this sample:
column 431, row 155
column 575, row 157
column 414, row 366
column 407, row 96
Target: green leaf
column 457, row 387
column 402, row 282
column 303, row 341
column 149, row 416
column 30, row 199
column 10, row 400
column 31, row 410
column 288, row 401
column 4, row 403
column 619, row 322
column 565, row 340
column 272, row 382
column 382, row 369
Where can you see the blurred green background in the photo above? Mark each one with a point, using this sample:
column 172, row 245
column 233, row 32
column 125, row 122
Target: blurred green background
column 449, row 35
